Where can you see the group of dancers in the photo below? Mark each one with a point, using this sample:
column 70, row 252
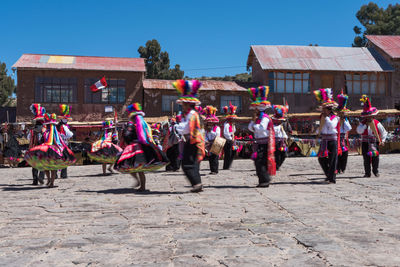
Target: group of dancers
column 195, row 133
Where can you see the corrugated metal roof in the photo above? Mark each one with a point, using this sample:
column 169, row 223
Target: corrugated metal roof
column 206, row 85
column 61, row 62
column 318, row 58
column 388, row 43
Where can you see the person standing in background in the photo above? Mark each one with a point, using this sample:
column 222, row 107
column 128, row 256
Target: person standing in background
column 229, row 135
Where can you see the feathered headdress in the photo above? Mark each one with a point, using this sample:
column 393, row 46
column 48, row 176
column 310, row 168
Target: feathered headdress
column 211, row 113
column 50, row 118
column 108, row 124
column 280, row 112
column 230, row 112
column 342, row 102
column 65, row 111
column 259, row 97
column 368, row 110
column 38, row 111
column 188, row 91
column 156, row 128
column 134, row 109
column 325, row 98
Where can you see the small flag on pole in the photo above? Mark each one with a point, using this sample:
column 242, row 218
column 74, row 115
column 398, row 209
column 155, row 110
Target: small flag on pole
column 99, row 85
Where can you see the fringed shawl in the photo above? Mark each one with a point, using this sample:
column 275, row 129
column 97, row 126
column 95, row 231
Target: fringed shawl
column 195, row 135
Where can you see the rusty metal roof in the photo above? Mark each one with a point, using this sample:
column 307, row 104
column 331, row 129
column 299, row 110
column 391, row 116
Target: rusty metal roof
column 62, row 62
column 388, row 43
column 206, row 85
column 317, row 58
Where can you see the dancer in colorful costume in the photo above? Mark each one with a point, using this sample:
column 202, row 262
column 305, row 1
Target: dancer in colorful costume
column 64, row 130
column 53, row 154
column 280, row 135
column 140, row 153
column 373, row 134
column 345, row 127
column 329, row 129
column 229, row 134
column 263, row 129
column 106, row 149
column 212, row 131
column 190, row 129
column 172, row 146
column 35, row 137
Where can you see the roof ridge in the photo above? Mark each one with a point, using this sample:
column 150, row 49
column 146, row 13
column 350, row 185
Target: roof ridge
column 34, row 54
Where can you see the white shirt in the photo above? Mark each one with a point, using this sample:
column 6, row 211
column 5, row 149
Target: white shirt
column 210, row 136
column 345, row 126
column 260, row 130
column 227, row 134
column 183, row 128
column 68, row 133
column 361, row 128
column 280, row 132
column 330, row 125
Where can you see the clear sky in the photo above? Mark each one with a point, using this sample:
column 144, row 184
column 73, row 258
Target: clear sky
column 201, row 36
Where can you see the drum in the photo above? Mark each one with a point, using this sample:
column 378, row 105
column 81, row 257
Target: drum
column 218, row 145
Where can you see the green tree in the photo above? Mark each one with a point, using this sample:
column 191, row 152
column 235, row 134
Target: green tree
column 376, row 21
column 157, row 62
column 7, row 85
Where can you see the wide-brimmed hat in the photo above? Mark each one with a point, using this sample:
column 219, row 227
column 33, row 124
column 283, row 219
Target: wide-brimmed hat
column 325, row 98
column 50, row 118
column 230, row 111
column 65, row 111
column 108, row 124
column 38, row 111
column 279, row 112
column 368, row 110
column 134, row 109
column 259, row 97
column 188, row 91
column 211, row 113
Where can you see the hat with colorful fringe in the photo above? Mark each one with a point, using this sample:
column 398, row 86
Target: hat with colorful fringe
column 199, row 110
column 188, row 91
column 65, row 111
column 108, row 124
column 38, row 111
column 50, row 118
column 259, row 97
column 211, row 112
column 279, row 112
column 230, row 112
column 342, row 100
column 325, row 98
column 134, row 109
column 156, row 128
column 368, row 110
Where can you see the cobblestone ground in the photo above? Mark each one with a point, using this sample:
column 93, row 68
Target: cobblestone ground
column 90, row 220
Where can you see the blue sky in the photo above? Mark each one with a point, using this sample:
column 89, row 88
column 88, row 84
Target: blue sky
column 201, row 36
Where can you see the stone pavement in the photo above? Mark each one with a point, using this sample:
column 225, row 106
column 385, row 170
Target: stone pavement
column 90, row 220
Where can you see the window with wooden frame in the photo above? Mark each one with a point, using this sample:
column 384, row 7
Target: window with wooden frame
column 289, row 82
column 366, row 83
column 113, row 94
column 55, row 90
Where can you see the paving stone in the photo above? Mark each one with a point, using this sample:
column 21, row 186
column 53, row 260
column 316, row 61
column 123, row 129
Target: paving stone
column 298, row 221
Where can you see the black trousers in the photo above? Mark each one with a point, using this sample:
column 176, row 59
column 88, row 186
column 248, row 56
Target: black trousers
column 173, row 157
column 229, row 154
column 213, row 160
column 64, row 173
column 36, row 174
column 329, row 164
column 342, row 161
column 190, row 165
column 368, row 161
column 261, row 163
column 280, row 157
